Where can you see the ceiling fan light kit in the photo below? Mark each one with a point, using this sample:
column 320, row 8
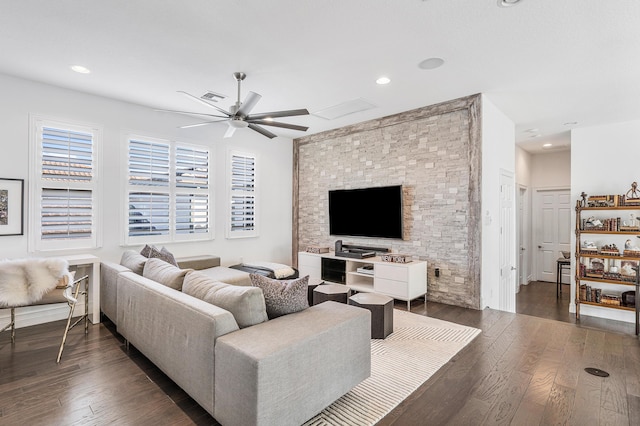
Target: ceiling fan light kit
column 239, row 117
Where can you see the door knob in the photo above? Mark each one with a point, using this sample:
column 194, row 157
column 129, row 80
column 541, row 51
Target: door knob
column 513, row 268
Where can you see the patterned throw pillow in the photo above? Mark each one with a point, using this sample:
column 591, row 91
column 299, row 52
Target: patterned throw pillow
column 146, row 250
column 163, row 254
column 282, row 296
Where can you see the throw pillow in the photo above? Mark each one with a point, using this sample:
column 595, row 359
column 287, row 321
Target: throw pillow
column 245, row 303
column 282, row 296
column 163, row 255
column 164, row 273
column 134, row 261
column 170, row 258
column 146, row 250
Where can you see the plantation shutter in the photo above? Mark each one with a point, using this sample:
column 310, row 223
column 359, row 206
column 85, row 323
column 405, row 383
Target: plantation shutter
column 66, row 193
column 192, row 196
column 243, row 197
column 148, row 167
column 168, row 191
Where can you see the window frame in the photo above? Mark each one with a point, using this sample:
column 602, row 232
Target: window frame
column 172, row 190
column 255, row 232
column 35, row 243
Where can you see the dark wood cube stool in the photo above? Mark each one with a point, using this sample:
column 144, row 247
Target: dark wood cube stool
column 381, row 308
column 313, row 283
column 336, row 292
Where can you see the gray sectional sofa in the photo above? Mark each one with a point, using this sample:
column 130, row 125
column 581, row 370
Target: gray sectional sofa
column 281, row 371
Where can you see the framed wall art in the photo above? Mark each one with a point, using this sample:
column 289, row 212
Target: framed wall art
column 11, row 206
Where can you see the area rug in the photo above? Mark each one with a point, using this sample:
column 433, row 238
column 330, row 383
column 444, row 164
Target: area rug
column 416, row 349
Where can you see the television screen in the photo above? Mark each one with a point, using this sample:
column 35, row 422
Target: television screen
column 366, row 212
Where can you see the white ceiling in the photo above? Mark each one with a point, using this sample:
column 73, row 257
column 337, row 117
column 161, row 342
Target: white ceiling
column 543, row 62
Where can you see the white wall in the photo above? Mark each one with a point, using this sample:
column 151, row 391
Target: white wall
column 498, row 153
column 604, row 161
column 551, row 170
column 20, row 98
column 523, row 167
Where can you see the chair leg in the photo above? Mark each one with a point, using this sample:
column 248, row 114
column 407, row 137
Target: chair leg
column 72, row 307
column 11, row 325
column 66, row 330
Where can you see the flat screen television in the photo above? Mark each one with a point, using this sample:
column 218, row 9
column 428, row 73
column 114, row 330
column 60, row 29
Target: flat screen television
column 366, row 212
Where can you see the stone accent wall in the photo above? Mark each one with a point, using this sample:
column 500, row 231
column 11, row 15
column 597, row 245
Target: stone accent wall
column 434, row 152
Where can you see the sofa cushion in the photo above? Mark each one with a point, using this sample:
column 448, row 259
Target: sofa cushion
column 164, row 273
column 134, row 261
column 245, row 303
column 282, row 296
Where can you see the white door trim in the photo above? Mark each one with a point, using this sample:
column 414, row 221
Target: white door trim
column 507, row 245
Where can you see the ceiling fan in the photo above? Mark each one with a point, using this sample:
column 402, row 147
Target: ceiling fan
column 239, row 116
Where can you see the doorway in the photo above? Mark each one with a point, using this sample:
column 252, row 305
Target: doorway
column 523, row 229
column 552, row 232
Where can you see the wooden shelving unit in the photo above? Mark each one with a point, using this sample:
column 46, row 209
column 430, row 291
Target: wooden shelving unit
column 611, row 261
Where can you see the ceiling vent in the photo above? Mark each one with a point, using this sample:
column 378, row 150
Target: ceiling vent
column 345, row 108
column 212, row 96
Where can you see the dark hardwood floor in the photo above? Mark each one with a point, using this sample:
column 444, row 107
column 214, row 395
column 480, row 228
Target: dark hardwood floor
column 522, row 369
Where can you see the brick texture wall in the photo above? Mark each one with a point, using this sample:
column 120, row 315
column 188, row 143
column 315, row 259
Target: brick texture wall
column 434, row 152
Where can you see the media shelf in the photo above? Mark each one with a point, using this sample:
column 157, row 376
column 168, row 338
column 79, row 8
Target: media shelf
column 402, row 281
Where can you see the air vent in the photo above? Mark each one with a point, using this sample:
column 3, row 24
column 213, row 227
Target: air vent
column 345, row 108
column 212, row 96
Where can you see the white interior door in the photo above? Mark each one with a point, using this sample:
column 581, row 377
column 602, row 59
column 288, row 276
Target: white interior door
column 507, row 298
column 552, row 215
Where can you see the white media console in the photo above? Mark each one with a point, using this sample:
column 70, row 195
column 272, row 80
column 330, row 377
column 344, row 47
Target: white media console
column 402, row 281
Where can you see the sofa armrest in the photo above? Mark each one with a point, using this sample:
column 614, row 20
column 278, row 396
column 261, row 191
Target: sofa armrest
column 109, row 272
column 198, row 262
column 288, row 369
column 177, row 332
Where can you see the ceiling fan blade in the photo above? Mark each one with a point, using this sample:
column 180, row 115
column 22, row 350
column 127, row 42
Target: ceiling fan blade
column 189, row 113
column 277, row 124
column 276, row 114
column 188, row 126
column 202, row 101
column 229, row 132
column 262, row 131
column 249, row 102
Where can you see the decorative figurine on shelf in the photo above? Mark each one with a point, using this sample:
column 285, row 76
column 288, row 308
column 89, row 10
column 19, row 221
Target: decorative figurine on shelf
column 592, row 221
column 583, row 202
column 589, row 246
column 633, row 193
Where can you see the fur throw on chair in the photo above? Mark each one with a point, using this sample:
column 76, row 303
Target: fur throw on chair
column 26, row 281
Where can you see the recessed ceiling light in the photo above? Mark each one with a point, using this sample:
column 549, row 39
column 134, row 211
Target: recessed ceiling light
column 570, row 123
column 532, row 130
column 508, row 3
column 80, row 69
column 537, row 135
column 431, row 63
column 383, row 80
column 547, row 145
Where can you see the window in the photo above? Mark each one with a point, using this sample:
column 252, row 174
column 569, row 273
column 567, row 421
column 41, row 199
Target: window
column 167, row 191
column 64, row 185
column 242, row 188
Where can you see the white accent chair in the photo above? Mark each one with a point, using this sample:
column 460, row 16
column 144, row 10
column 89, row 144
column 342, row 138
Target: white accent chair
column 65, row 292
